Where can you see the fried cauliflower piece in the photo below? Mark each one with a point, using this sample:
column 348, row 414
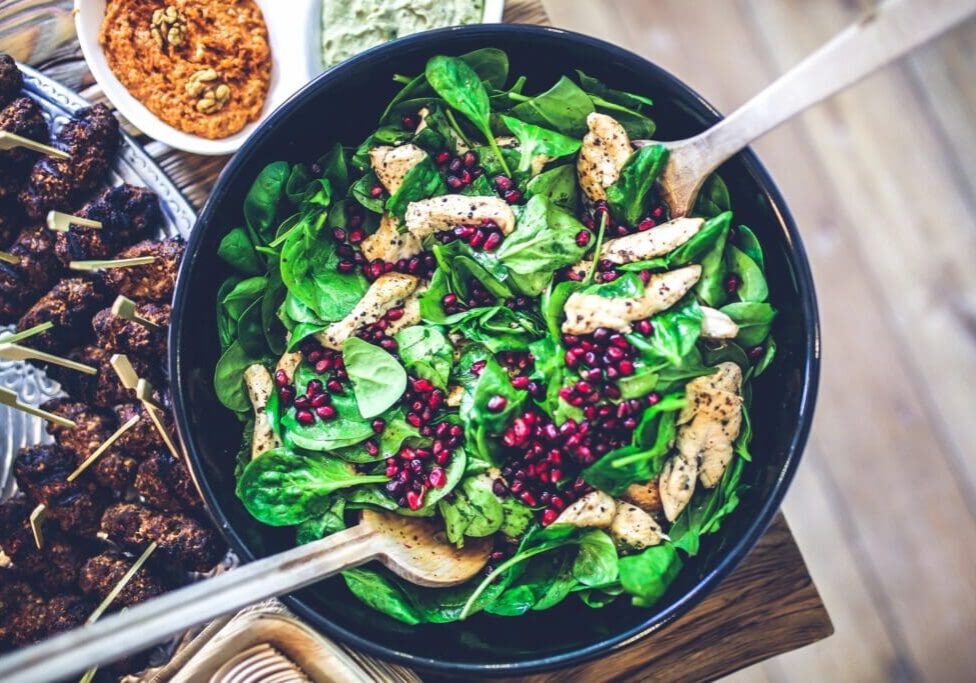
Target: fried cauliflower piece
column 387, row 291
column 605, row 150
column 447, row 211
column 587, row 312
column 391, row 164
column 389, row 244
column 259, row 387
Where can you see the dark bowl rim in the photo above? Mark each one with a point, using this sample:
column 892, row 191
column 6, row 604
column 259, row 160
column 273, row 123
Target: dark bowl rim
column 796, row 256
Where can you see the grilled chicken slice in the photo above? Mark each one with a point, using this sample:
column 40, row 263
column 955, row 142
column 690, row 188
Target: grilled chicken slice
column 391, row 164
column 587, row 312
column 710, row 422
column 717, row 325
column 649, row 244
column 677, row 481
column 259, row 387
column 388, row 244
column 596, row 509
column 604, row 152
column 387, row 291
column 432, row 215
column 634, row 528
column 289, row 362
column 646, row 496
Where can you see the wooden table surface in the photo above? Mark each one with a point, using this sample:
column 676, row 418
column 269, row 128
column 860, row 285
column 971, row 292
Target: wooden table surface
column 768, row 606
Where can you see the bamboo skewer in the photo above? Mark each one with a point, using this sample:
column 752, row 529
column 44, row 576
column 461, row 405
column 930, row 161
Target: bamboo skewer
column 9, row 398
column 10, row 140
column 26, row 334
column 7, row 257
column 130, row 380
column 125, row 308
column 123, row 582
column 112, row 263
column 37, row 524
column 62, row 222
column 104, row 447
column 123, row 368
column 10, row 351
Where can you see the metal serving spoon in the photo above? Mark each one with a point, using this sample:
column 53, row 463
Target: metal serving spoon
column 411, row 547
column 886, row 33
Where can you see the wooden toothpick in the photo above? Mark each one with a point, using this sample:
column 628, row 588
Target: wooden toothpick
column 123, row 368
column 62, row 222
column 10, row 351
column 126, row 309
column 9, row 398
column 104, row 447
column 10, row 141
column 144, row 390
column 37, row 524
column 7, row 257
column 112, row 263
column 26, row 334
column 123, row 582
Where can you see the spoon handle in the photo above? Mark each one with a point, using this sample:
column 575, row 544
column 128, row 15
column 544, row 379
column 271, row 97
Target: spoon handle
column 151, row 622
column 886, row 33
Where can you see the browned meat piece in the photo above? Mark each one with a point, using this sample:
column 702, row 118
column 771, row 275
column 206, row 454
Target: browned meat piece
column 52, row 569
column 22, row 283
column 101, row 573
column 42, row 472
column 127, row 214
column 165, row 483
column 103, row 389
column 131, row 338
column 22, row 117
column 181, row 538
column 23, row 614
column 65, row 612
column 11, row 80
column 153, row 282
column 70, row 305
column 143, row 437
column 92, row 138
column 10, row 221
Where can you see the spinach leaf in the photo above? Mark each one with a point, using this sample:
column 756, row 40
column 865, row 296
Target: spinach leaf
column 226, row 325
column 628, row 197
column 378, row 379
column 427, row 353
column 309, row 270
column 250, row 332
column 329, row 522
column 629, row 286
column 493, row 382
column 421, row 182
column 596, row 562
column 491, row 65
column 474, row 510
column 298, row 180
column 749, row 243
column 675, row 333
column 539, row 144
column 229, row 378
column 558, row 185
column 459, row 85
column 517, row 518
column 382, row 594
column 752, row 282
column 238, row 252
column 754, row 321
column 242, row 295
column 563, row 108
column 647, row 576
column 335, row 169
column 626, row 107
column 346, row 429
column 274, row 296
column 711, row 284
column 713, row 234
column 361, row 193
column 707, row 510
column 282, row 488
column 713, row 198
column 544, row 240
column 262, row 201
column 545, row 582
column 767, row 358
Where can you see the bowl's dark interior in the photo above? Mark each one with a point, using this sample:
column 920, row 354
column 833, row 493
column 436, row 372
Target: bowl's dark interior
column 344, row 105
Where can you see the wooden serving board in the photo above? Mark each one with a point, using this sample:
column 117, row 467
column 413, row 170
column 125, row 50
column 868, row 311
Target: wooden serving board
column 768, row 606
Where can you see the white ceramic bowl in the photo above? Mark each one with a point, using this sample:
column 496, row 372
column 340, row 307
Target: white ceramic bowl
column 293, row 30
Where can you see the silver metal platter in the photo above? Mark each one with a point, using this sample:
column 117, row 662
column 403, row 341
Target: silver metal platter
column 132, row 165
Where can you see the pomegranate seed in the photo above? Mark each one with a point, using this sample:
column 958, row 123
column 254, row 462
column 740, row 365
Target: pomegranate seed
column 503, row 183
column 520, row 382
column 378, row 425
column 376, row 191
column 626, row 368
column 320, row 400
column 286, row 395
column 549, row 516
column 281, row 378
column 582, row 238
column 496, row 404
column 449, row 299
column 732, row 283
column 422, row 385
column 756, row 352
column 326, row 412
column 372, row 448
column 414, row 420
column 355, row 220
column 658, row 212
column 304, row 417
column 410, row 121
column 334, row 386
column 653, row 398
column 339, row 234
column 455, row 165
column 492, row 241
column 437, row 478
column 529, row 498
column 645, row 327
column 466, row 177
column 415, row 500
column 302, row 402
column 313, row 387
column 394, row 313
column 499, row 489
column 391, row 470
column 555, row 475
column 557, row 502
column 646, row 224
column 454, row 182
column 470, row 159
column 442, row 158
column 512, row 196
column 346, row 266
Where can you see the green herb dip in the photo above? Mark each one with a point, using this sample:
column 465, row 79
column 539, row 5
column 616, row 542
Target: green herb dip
column 351, row 26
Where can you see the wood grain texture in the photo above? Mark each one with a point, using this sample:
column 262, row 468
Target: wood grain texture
column 881, row 183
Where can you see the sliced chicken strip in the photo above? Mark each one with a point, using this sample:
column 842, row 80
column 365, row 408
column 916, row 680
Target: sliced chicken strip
column 604, row 152
column 646, row 496
column 389, row 244
column 717, row 325
column 387, row 291
column 288, row 362
column 259, row 387
column 391, row 164
column 411, row 312
column 595, row 509
column 587, row 312
column 432, row 215
column 710, row 421
column 677, row 481
column 642, row 246
column 634, row 528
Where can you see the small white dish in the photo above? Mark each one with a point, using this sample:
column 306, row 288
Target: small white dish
column 293, row 31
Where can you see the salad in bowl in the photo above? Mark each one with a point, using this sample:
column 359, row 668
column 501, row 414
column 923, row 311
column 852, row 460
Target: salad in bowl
column 483, row 313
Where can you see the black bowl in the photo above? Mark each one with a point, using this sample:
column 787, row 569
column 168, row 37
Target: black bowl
column 344, row 105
